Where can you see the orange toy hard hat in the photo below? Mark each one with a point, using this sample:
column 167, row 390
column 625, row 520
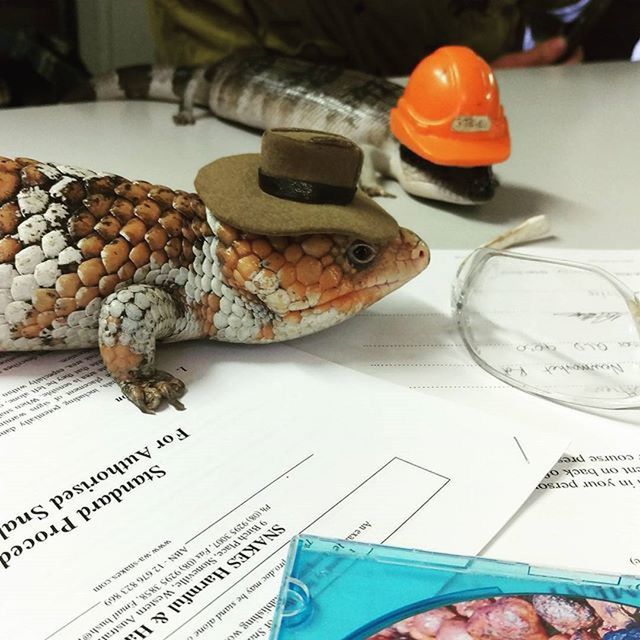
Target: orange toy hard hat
column 450, row 112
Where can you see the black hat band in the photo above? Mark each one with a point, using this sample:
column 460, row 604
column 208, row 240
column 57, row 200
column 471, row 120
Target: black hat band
column 305, row 190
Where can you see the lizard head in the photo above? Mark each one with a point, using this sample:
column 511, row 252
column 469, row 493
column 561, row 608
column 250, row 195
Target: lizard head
column 302, row 284
column 460, row 185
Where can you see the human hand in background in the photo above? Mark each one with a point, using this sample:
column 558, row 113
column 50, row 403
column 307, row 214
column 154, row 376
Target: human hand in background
column 546, row 52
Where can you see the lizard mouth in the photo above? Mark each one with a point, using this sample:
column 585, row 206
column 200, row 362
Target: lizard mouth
column 348, row 304
column 460, row 185
column 354, row 301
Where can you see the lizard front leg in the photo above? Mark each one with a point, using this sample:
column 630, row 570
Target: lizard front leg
column 131, row 321
column 194, row 88
column 374, row 165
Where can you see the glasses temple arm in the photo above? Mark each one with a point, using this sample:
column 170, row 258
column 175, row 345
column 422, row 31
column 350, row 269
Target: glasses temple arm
column 534, row 228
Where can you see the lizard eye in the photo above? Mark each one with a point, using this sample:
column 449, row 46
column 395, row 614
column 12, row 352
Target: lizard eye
column 360, row 254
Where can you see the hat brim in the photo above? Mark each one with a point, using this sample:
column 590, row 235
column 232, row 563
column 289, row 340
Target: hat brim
column 229, row 188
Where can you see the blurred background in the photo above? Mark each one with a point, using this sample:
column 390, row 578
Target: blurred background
column 47, row 47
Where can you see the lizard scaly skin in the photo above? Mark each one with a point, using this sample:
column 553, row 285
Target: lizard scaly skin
column 90, row 259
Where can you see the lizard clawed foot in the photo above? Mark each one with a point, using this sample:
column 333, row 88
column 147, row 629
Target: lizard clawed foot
column 184, row 117
column 148, row 393
column 375, row 189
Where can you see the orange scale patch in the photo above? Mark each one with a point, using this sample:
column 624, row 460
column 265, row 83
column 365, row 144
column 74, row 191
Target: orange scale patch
column 98, row 204
column 107, row 284
column 131, row 191
column 9, row 217
column 242, row 248
column 227, row 234
column 44, row 299
column 134, row 231
column 227, row 256
column 308, row 270
column 126, row 271
column 121, row 361
column 46, row 318
column 162, row 195
column 182, row 203
column 293, row 253
column 187, row 252
column 108, row 227
column 91, row 246
column 7, row 164
column 31, row 331
column 330, row 277
column 279, row 243
column 287, row 276
column 85, row 295
column 67, row 285
column 248, row 266
column 173, row 248
column 9, row 247
column 73, row 193
column 32, row 176
column 266, row 332
column 172, row 222
column 100, row 184
column 116, row 254
column 122, row 209
column 317, row 246
column 158, row 258
column 148, row 211
column 140, row 254
column 81, row 224
column 274, row 262
column 293, row 317
column 297, row 291
column 65, row 306
column 261, row 248
column 327, row 295
column 90, row 271
column 156, row 237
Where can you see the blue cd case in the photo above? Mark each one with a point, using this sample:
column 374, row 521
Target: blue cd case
column 343, row 590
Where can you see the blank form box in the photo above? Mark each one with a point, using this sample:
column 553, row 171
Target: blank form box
column 375, row 509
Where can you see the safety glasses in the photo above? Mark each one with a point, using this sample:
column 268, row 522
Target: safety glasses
column 562, row 330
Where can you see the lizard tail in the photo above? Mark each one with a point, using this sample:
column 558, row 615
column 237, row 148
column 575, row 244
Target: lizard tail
column 142, row 82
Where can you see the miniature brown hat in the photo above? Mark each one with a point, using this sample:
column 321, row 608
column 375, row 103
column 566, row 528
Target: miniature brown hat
column 302, row 182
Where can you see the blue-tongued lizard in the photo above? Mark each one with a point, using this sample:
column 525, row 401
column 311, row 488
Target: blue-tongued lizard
column 91, row 259
column 264, row 91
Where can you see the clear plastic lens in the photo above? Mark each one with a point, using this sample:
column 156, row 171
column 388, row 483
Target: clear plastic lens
column 561, row 331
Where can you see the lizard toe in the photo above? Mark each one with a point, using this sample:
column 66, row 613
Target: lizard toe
column 148, row 393
column 184, row 118
column 374, row 190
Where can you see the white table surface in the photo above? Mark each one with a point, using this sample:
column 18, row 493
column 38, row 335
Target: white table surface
column 576, row 157
column 575, row 137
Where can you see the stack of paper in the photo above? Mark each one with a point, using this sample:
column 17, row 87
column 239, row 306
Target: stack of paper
column 115, row 524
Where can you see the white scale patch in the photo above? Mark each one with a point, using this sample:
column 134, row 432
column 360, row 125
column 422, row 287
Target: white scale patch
column 53, row 243
column 46, row 273
column 32, row 200
column 32, row 229
column 28, row 258
column 161, row 87
column 107, row 87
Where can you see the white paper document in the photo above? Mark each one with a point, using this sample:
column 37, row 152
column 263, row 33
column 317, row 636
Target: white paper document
column 586, row 513
column 114, row 524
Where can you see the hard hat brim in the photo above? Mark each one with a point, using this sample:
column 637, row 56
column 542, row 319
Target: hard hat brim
column 460, row 150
